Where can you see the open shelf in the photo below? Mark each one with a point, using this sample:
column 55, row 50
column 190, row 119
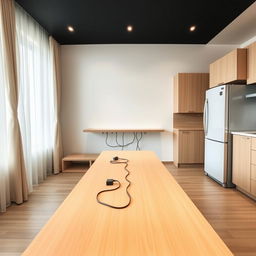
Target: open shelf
column 78, row 162
column 77, row 167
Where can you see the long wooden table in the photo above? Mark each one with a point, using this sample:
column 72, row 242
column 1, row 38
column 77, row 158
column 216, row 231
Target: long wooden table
column 161, row 219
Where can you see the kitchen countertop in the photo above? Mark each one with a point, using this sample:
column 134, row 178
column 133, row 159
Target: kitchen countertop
column 245, row 133
column 189, row 129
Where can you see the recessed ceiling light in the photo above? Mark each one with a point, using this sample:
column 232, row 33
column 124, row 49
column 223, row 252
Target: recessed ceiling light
column 129, row 28
column 70, row 29
column 192, row 28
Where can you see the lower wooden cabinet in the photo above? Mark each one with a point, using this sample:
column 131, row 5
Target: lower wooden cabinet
column 244, row 163
column 253, row 187
column 188, row 147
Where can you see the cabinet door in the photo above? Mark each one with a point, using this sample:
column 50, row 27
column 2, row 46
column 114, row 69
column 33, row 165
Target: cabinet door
column 217, row 72
column 213, row 74
column 176, row 94
column 189, row 92
column 253, row 187
column 230, row 68
column 191, row 147
column 251, row 63
column 176, row 148
column 253, row 180
column 241, row 162
column 221, row 70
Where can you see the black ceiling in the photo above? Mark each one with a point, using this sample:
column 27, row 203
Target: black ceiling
column 154, row 21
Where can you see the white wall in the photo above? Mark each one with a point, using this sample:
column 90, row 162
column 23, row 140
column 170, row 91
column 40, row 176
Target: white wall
column 125, row 86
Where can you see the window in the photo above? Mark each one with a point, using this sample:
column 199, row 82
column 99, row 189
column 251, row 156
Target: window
column 35, row 108
column 4, row 188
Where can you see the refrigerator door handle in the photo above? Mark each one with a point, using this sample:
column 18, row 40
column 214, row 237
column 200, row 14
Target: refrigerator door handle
column 205, row 117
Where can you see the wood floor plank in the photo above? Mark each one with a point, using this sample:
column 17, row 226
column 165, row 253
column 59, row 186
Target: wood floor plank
column 231, row 214
column 20, row 224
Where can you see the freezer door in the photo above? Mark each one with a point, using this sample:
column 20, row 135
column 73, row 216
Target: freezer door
column 216, row 160
column 215, row 113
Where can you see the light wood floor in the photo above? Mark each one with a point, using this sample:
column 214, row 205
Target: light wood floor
column 20, row 224
column 231, row 214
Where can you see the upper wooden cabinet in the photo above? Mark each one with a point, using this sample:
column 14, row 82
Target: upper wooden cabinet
column 189, row 92
column 251, row 64
column 231, row 68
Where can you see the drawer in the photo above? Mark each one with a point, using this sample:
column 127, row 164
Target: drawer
column 253, row 172
column 253, row 187
column 254, row 143
column 253, row 157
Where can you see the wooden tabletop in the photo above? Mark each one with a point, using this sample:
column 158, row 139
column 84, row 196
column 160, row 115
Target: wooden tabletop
column 122, row 130
column 160, row 221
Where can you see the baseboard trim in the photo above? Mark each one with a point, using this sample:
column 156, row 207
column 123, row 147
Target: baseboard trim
column 190, row 165
column 167, row 162
column 246, row 193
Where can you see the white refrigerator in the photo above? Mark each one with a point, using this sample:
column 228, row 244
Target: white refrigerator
column 227, row 108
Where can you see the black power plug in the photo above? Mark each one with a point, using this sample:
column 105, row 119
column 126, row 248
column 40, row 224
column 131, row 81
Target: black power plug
column 109, row 182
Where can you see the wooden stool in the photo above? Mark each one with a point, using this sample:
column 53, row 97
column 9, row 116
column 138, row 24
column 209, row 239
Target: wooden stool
column 78, row 162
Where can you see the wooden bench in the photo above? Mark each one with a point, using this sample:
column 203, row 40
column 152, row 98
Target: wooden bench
column 78, row 162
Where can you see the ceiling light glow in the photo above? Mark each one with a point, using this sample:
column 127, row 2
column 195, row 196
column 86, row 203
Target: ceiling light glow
column 129, row 28
column 192, row 28
column 70, row 29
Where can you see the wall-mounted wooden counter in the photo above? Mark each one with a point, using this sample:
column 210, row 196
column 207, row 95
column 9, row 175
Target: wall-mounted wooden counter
column 137, row 135
column 188, row 129
column 160, row 221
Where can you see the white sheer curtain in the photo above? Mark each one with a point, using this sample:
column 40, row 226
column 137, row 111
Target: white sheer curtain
column 4, row 176
column 35, row 97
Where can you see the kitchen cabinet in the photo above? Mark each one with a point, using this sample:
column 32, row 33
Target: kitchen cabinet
column 241, row 162
column 244, row 164
column 231, row 68
column 188, row 146
column 217, row 72
column 189, row 92
column 251, row 64
column 253, row 187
